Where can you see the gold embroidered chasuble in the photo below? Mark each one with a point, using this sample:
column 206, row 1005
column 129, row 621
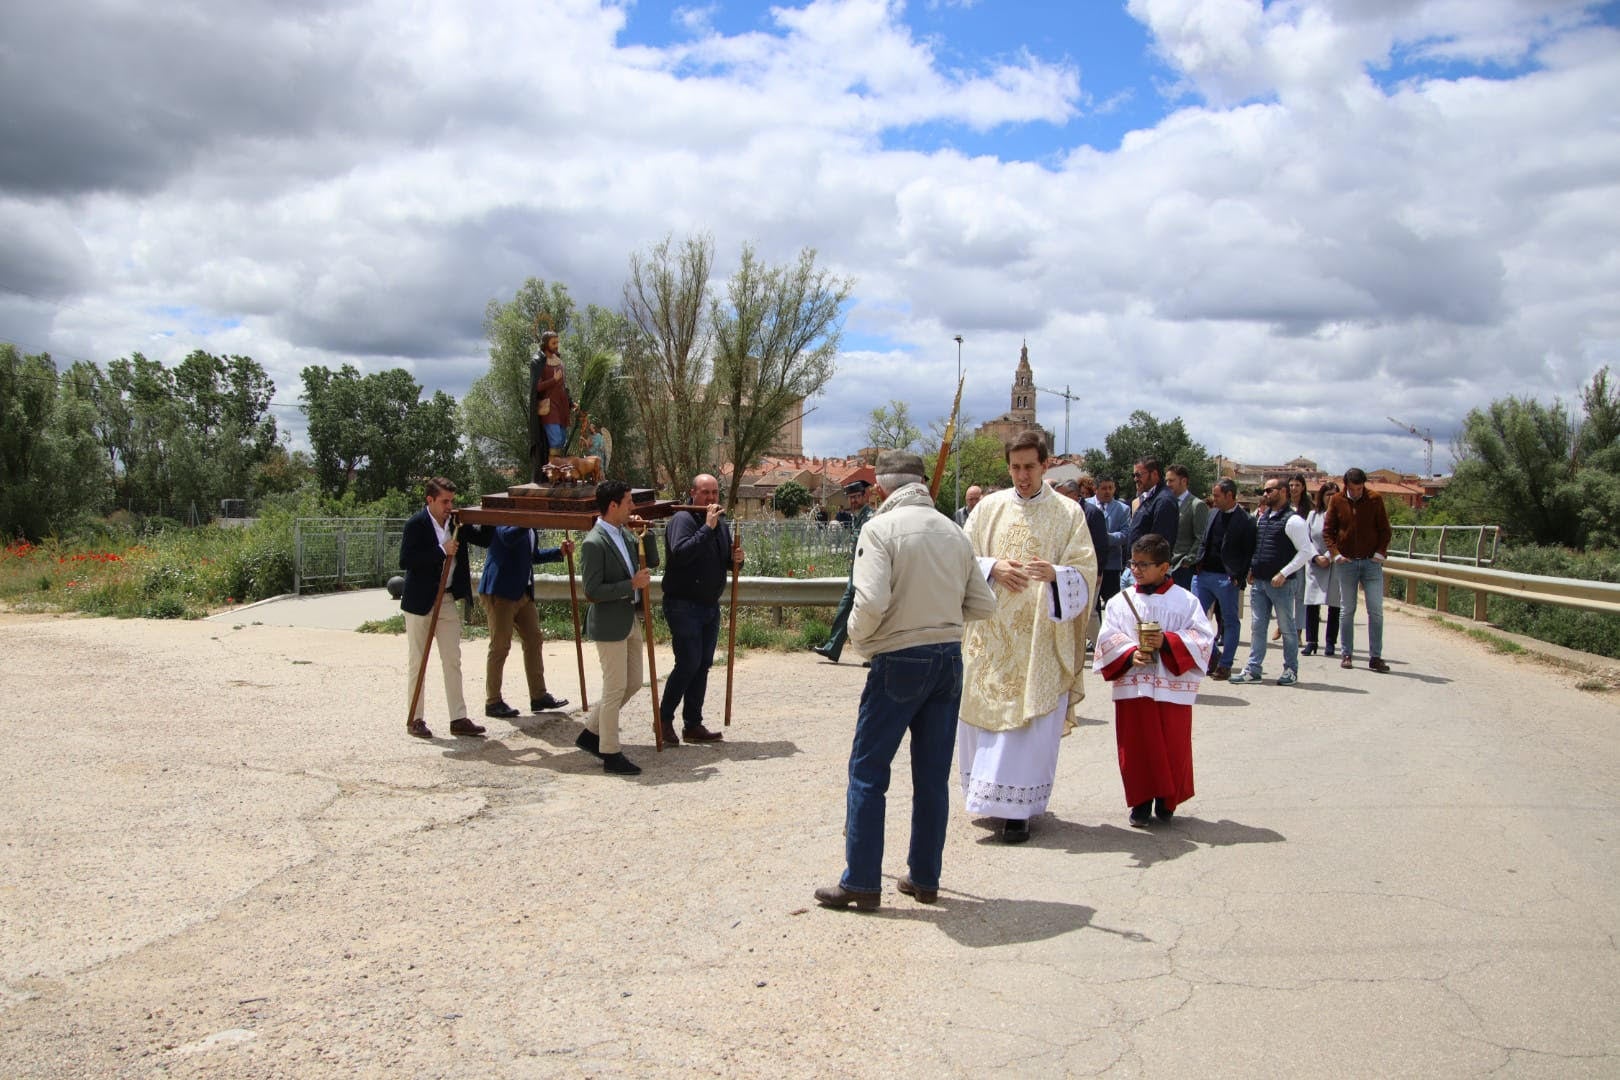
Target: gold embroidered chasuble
column 1020, row 661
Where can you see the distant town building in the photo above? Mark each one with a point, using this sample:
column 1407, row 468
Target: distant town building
column 1021, row 416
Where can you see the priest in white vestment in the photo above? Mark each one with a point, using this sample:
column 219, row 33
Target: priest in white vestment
column 1024, row 667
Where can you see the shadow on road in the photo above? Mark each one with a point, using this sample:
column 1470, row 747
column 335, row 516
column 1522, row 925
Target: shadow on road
column 1221, row 701
column 1329, row 688
column 1159, row 843
column 982, row 922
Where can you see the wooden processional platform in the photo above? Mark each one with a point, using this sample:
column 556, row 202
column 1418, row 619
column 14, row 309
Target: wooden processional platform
column 556, row 506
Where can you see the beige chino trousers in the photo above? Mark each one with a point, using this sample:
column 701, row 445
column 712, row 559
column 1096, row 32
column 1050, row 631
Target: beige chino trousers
column 447, row 640
column 506, row 616
column 621, row 678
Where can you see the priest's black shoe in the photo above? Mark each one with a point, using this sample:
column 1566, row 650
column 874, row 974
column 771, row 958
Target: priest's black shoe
column 500, row 710
column 589, row 742
column 1142, row 815
column 546, row 703
column 1163, row 810
column 839, row 897
column 1015, row 830
column 619, row 765
column 465, row 726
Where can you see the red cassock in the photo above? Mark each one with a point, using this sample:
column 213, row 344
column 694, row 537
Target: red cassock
column 1153, row 704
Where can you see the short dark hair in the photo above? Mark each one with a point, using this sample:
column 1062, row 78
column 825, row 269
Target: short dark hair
column 1354, row 476
column 435, row 485
column 1179, row 470
column 1153, row 547
column 1323, row 495
column 1105, row 478
column 1226, row 484
column 609, row 492
column 1028, row 440
column 1151, row 464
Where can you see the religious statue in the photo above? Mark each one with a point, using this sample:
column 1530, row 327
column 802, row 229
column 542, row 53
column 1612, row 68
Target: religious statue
column 550, row 406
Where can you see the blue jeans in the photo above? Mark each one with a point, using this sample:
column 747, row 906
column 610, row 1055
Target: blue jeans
column 693, row 631
column 1208, row 588
column 1263, row 598
column 1368, row 573
column 916, row 689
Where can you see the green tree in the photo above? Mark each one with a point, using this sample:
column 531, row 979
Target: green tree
column 776, row 342
column 668, row 356
column 51, row 467
column 374, row 433
column 889, row 427
column 791, row 498
column 1513, row 467
column 1144, row 436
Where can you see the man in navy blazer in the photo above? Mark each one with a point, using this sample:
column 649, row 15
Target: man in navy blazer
column 507, row 590
column 430, row 537
column 1157, row 512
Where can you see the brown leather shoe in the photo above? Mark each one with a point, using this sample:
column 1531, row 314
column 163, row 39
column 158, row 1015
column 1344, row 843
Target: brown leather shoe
column 1222, row 672
column 1377, row 664
column 839, row 897
column 418, row 728
column 670, row 738
column 465, row 727
column 701, row 734
column 1345, row 663
column 922, row 896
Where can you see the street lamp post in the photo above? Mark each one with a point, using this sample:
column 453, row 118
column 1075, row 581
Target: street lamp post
column 956, row 458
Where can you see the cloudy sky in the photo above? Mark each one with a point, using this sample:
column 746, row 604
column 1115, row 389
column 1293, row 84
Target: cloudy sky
column 1283, row 222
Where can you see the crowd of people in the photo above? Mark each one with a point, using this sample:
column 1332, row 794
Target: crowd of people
column 978, row 631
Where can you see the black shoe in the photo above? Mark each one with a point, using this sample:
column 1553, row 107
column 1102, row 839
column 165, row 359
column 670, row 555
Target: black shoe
column 1015, row 830
column 839, row 897
column 824, row 654
column 1309, row 650
column 1163, row 810
column 589, row 742
column 547, row 703
column 500, row 710
column 466, row 727
column 922, row 896
column 1142, row 815
column 619, row 765
column 1376, row 664
column 418, row 729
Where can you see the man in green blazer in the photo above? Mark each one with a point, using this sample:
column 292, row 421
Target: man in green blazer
column 614, row 577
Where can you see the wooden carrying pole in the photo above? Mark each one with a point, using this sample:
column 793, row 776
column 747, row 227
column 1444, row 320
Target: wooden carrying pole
column 652, row 664
column 731, row 624
column 433, row 626
column 579, row 644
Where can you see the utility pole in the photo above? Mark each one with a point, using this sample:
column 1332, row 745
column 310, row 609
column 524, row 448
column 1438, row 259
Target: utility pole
column 1428, row 444
column 1068, row 399
column 956, row 458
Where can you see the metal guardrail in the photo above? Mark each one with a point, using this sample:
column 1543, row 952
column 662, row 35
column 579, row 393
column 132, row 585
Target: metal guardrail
column 751, row 591
column 1471, row 545
column 1598, row 596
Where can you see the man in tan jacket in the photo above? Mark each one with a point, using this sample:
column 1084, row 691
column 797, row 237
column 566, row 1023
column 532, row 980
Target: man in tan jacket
column 916, row 584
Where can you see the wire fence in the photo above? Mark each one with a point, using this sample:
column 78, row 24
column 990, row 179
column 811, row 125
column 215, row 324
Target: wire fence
column 351, row 553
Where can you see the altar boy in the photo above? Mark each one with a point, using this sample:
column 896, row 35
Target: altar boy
column 1153, row 647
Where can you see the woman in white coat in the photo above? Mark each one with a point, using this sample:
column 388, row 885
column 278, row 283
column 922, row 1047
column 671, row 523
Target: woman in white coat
column 1320, row 588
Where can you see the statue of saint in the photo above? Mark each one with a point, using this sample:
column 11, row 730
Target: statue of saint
column 550, row 406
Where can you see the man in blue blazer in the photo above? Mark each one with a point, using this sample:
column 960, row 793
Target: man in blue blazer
column 430, row 537
column 613, row 576
column 1157, row 511
column 507, row 590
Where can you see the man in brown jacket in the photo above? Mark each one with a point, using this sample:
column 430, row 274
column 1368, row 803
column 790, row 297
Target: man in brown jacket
column 1356, row 531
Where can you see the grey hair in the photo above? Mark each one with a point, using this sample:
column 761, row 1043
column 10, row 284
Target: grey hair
column 892, row 482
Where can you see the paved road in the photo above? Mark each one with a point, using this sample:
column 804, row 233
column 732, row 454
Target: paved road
column 223, row 857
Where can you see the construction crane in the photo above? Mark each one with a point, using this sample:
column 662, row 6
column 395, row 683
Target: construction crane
column 1428, row 443
column 1068, row 398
